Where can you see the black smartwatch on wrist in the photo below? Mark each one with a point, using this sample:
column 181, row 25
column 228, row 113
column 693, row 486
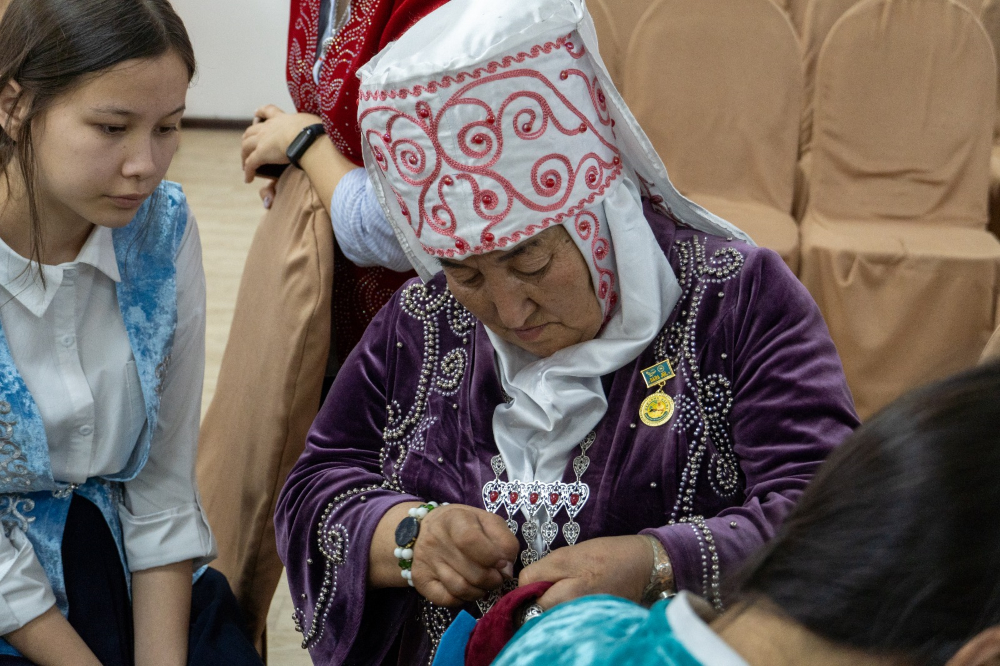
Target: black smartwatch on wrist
column 302, row 143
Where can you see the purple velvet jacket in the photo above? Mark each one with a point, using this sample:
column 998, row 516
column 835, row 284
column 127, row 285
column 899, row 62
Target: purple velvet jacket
column 761, row 400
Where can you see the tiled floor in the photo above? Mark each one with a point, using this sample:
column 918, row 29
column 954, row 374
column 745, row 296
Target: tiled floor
column 208, row 166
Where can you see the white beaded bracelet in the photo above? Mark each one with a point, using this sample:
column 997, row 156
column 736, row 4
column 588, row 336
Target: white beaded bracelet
column 406, row 536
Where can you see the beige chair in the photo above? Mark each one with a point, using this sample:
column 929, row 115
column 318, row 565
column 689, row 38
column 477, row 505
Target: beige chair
column 994, row 206
column 611, row 43
column 990, row 18
column 268, row 390
column 796, row 10
column 894, row 246
column 721, row 104
column 615, row 21
column 818, row 18
column 992, row 351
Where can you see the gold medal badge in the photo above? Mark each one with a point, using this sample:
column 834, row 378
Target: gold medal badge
column 657, row 408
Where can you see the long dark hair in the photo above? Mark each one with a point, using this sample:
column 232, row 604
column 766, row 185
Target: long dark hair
column 47, row 46
column 895, row 546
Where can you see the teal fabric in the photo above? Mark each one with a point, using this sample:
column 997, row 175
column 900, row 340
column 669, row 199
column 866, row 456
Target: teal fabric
column 596, row 631
column 30, row 498
column 451, row 649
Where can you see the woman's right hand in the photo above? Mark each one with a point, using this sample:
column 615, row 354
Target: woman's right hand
column 461, row 553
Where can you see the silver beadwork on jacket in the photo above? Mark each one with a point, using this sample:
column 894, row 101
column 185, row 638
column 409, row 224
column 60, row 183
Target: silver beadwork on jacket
column 703, row 410
column 441, row 376
column 13, row 463
column 334, row 542
column 435, row 620
column 12, row 513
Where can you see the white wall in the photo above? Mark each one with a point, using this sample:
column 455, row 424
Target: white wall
column 240, row 46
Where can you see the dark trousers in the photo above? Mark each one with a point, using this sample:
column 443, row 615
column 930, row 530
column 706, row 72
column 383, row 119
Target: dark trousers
column 101, row 612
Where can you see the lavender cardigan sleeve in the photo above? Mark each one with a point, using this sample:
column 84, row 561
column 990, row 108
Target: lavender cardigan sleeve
column 790, row 407
column 328, row 510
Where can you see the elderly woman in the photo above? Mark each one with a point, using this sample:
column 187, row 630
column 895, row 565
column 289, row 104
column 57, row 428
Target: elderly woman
column 612, row 389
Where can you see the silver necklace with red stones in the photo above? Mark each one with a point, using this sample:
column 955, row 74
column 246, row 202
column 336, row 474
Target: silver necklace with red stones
column 533, row 496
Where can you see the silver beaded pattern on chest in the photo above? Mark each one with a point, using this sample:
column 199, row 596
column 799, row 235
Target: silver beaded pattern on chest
column 703, row 409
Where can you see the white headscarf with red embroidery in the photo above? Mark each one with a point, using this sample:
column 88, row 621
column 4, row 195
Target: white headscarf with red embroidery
column 492, row 120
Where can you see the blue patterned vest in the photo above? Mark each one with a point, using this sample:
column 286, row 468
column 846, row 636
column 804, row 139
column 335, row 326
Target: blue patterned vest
column 30, row 498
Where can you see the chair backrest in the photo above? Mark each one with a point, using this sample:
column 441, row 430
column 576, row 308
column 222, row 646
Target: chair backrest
column 818, row 17
column 796, row 10
column 609, row 39
column 627, row 15
column 990, row 18
column 992, row 351
column 904, row 111
column 719, row 101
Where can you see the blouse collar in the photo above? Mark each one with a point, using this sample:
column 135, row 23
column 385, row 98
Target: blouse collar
column 20, row 277
column 688, row 616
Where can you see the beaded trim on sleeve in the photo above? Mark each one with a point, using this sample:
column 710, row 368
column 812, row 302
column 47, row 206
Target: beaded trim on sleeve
column 404, row 431
column 710, row 575
column 334, row 544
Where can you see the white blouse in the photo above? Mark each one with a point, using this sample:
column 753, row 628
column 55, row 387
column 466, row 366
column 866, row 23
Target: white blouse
column 689, row 616
column 69, row 343
column 360, row 226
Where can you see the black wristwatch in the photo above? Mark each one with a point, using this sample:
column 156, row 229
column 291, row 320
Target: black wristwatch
column 407, row 531
column 305, row 139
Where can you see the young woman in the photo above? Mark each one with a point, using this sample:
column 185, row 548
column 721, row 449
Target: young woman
column 102, row 315
column 891, row 558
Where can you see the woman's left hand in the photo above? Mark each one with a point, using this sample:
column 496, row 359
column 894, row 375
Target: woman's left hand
column 267, row 140
column 608, row 565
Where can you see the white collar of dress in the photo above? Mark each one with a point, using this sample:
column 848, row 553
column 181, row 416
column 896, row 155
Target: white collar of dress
column 689, row 616
column 19, row 276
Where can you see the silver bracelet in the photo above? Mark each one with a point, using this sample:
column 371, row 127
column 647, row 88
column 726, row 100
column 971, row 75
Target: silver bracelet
column 661, row 578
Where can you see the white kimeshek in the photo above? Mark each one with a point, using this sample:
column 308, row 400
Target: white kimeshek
column 490, row 120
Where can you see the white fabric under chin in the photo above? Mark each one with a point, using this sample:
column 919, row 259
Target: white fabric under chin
column 559, row 399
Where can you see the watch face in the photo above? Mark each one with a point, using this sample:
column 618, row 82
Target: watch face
column 407, row 531
column 299, row 144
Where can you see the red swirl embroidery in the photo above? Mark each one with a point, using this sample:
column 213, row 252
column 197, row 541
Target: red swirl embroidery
column 588, row 228
column 462, row 77
column 475, row 147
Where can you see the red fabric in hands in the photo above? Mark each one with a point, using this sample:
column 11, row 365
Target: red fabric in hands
column 497, row 627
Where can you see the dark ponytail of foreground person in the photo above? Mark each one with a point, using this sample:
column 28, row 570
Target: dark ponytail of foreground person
column 49, row 46
column 894, row 548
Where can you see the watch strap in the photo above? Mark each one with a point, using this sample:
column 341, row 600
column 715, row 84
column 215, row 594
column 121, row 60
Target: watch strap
column 305, row 139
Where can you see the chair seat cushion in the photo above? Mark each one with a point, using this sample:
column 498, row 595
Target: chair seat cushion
column 905, row 303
